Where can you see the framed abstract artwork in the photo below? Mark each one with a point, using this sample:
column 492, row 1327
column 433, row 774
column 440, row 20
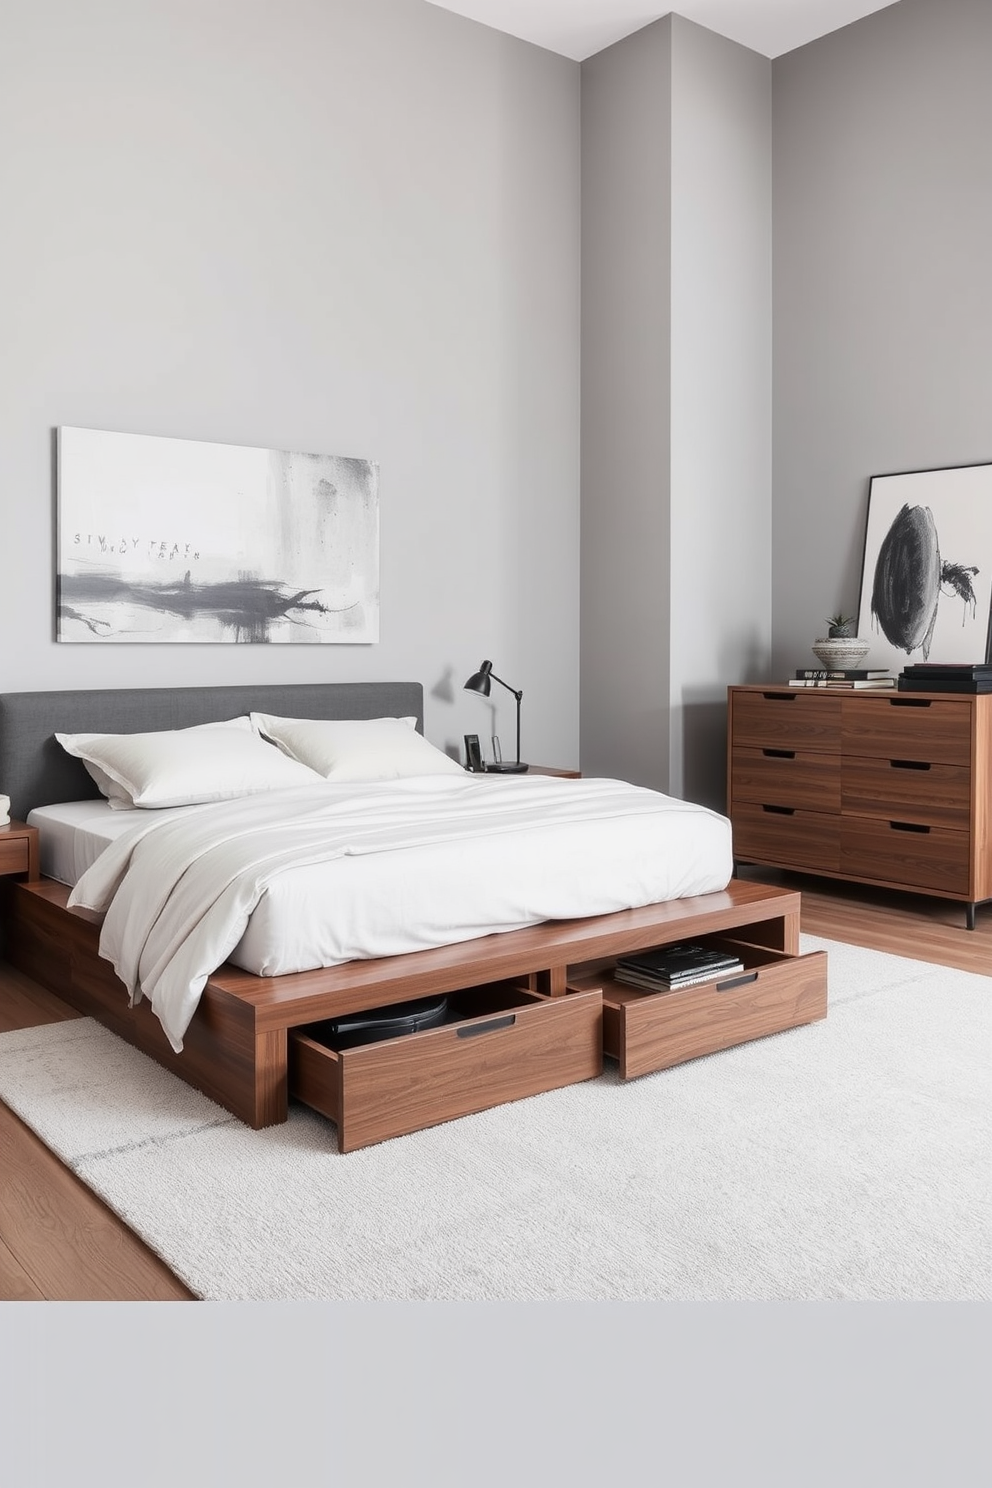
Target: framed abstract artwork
column 181, row 540
column 926, row 580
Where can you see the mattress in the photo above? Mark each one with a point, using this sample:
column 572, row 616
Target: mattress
column 73, row 834
column 381, row 870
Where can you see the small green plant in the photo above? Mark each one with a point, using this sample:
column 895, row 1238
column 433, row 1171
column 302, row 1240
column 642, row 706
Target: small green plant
column 839, row 625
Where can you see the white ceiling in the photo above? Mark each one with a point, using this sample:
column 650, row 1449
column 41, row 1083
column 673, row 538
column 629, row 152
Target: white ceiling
column 578, row 28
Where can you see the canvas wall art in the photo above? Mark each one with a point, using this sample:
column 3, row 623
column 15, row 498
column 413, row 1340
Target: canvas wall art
column 926, row 581
column 181, row 540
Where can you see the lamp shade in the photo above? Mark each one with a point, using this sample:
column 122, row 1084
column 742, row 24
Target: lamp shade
column 480, row 680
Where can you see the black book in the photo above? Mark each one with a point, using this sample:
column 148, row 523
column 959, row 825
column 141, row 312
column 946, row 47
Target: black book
column 660, row 984
column 951, row 670
column 945, row 684
column 669, row 964
column 841, row 682
column 850, row 674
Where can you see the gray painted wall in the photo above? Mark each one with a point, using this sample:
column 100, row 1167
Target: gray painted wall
column 883, row 290
column 349, row 226
column 721, row 394
column 626, row 397
column 354, row 226
column 676, row 452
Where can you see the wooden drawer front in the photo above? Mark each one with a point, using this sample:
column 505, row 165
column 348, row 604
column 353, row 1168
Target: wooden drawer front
column 786, row 720
column 801, row 839
column 908, row 790
column 505, row 1043
column 646, row 1031
column 13, row 855
column 904, row 853
column 786, row 777
column 937, row 731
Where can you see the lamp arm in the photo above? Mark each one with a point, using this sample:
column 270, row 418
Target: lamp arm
column 518, row 694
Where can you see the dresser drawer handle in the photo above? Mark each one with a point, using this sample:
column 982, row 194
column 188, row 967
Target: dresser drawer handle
column 741, row 981
column 780, row 697
column 910, row 764
column 469, row 1030
column 908, row 827
column 781, row 810
column 909, row 702
column 779, row 753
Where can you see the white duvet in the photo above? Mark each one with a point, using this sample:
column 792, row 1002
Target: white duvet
column 316, row 875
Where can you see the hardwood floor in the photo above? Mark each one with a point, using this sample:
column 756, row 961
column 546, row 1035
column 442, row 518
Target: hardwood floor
column 903, row 924
column 59, row 1242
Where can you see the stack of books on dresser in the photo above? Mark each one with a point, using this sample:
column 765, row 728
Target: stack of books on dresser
column 849, row 677
column 671, row 967
column 932, row 677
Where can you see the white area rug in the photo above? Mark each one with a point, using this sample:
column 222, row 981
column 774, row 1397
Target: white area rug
column 847, row 1159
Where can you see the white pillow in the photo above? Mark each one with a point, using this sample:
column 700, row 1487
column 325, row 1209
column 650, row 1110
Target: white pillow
column 184, row 767
column 361, row 749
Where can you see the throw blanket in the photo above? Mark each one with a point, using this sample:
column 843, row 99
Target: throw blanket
column 177, row 894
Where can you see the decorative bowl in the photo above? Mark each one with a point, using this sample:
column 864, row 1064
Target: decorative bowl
column 837, row 653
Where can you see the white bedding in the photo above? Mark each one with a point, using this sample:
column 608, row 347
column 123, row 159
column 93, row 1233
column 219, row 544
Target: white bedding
column 73, row 834
column 317, row 875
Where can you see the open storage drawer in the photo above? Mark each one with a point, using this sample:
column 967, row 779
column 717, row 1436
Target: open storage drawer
column 647, row 1031
column 501, row 1042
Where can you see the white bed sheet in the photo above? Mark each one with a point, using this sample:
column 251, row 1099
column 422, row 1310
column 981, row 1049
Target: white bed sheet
column 73, row 834
column 420, row 864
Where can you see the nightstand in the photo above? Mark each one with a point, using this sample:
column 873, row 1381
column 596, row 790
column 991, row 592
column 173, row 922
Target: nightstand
column 19, row 849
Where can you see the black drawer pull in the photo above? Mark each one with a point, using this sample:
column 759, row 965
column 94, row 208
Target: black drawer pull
column 909, row 764
column 907, row 827
column 909, row 702
column 781, row 810
column 469, row 1030
column 779, row 753
column 780, row 697
column 741, row 981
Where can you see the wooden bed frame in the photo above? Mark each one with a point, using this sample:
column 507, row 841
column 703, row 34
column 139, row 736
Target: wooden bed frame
column 237, row 1049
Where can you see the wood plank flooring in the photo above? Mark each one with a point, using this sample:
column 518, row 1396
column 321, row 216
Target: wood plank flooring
column 59, row 1242
column 902, row 924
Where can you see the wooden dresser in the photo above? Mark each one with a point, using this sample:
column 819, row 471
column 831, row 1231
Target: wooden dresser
column 887, row 788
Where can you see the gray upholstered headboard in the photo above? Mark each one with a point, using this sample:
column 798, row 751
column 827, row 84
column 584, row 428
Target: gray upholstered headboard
column 36, row 771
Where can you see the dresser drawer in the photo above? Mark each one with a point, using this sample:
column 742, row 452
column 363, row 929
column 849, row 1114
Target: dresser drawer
column 906, row 853
column 785, row 837
column 787, row 720
column 503, row 1043
column 786, row 777
column 935, row 730
column 907, row 790
column 647, row 1031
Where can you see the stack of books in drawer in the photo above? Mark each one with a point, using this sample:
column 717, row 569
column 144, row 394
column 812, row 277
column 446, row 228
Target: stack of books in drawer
column 932, row 677
column 671, row 967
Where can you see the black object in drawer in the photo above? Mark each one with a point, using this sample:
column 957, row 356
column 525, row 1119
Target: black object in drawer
column 373, row 1024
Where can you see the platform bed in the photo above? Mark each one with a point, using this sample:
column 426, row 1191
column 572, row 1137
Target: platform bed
column 531, row 1009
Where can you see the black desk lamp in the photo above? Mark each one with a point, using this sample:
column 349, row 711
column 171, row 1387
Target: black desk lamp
column 480, row 682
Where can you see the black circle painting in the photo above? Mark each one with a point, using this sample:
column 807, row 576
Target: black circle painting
column 910, row 576
column 925, row 586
